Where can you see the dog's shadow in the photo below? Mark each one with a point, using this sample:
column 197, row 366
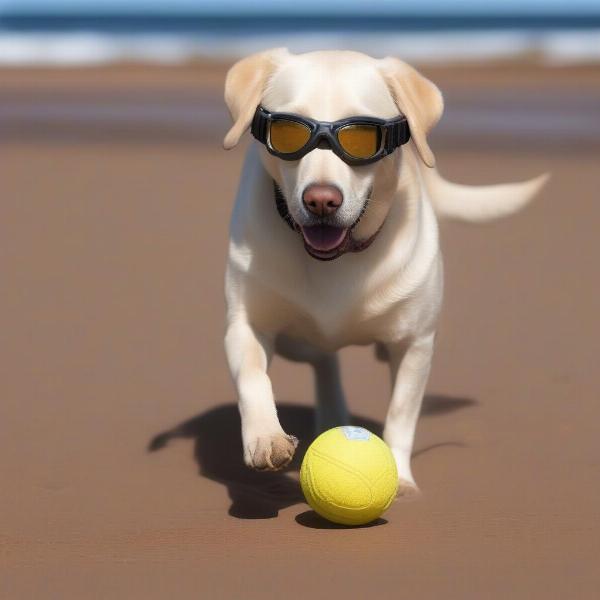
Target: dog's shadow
column 261, row 495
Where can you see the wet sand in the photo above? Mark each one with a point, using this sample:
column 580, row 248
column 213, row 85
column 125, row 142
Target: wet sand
column 120, row 458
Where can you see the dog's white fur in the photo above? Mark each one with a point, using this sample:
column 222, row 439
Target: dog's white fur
column 280, row 299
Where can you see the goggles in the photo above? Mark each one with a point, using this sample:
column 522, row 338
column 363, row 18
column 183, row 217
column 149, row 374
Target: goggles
column 356, row 140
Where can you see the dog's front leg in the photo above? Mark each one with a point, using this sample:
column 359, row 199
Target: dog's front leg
column 266, row 445
column 409, row 365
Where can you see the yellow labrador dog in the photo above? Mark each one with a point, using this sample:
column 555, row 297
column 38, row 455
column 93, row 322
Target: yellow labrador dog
column 334, row 239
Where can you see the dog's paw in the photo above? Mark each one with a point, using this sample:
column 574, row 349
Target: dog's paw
column 270, row 452
column 407, row 490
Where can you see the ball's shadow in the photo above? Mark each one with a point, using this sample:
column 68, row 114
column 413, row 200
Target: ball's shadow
column 261, row 495
column 311, row 519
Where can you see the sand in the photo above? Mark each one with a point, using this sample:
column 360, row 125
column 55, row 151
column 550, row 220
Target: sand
column 120, row 457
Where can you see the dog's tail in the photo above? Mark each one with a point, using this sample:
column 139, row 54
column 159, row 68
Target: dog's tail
column 478, row 203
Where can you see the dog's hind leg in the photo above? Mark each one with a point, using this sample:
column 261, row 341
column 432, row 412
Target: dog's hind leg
column 331, row 408
column 331, row 403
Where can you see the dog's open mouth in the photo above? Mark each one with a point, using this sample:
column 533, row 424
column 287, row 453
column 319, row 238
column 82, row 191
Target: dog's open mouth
column 324, row 241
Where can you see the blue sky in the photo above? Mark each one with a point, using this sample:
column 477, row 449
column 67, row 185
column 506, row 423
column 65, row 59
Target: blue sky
column 369, row 6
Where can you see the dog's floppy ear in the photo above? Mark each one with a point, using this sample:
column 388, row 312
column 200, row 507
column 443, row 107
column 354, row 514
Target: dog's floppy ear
column 244, row 87
column 419, row 100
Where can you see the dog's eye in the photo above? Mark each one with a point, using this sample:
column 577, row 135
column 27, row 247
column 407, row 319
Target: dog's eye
column 288, row 136
column 359, row 141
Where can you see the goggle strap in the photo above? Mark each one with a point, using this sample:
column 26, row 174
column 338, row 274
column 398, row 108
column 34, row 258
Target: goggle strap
column 397, row 135
column 259, row 126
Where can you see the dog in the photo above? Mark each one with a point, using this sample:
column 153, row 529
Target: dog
column 330, row 247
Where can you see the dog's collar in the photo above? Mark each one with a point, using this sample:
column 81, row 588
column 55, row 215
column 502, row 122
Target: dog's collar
column 349, row 245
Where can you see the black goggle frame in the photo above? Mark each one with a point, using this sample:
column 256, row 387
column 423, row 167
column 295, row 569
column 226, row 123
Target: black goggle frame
column 393, row 133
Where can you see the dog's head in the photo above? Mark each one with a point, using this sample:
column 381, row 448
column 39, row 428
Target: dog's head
column 336, row 207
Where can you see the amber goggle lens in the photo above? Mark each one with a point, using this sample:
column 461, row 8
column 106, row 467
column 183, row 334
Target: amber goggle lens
column 359, row 141
column 288, row 136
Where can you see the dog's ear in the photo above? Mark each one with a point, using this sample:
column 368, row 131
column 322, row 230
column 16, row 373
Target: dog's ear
column 419, row 100
column 244, row 87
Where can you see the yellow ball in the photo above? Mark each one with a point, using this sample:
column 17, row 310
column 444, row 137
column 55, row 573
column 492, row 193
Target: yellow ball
column 349, row 475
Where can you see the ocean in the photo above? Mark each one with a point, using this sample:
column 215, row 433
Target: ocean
column 86, row 39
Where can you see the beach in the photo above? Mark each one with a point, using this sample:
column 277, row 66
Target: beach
column 120, row 455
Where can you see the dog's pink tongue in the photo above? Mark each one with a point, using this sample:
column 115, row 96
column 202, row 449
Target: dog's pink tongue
column 323, row 237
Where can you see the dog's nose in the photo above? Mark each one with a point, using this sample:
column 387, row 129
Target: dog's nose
column 322, row 200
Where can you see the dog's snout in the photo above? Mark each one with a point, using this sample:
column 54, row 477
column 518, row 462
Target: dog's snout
column 322, row 200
